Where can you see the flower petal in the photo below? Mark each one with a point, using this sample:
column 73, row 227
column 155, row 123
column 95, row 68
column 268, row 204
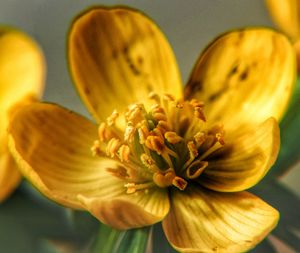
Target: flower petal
column 53, row 149
column 201, row 220
column 10, row 176
column 22, row 70
column 286, row 14
column 244, row 76
column 117, row 56
column 244, row 160
column 116, row 208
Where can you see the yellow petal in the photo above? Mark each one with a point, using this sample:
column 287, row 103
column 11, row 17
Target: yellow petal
column 53, row 149
column 22, row 69
column 21, row 81
column 10, row 177
column 245, row 159
column 286, row 14
column 118, row 209
column 206, row 221
column 117, row 56
column 244, row 76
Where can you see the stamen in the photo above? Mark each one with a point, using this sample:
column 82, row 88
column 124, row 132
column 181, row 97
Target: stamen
column 180, row 183
column 159, row 116
column 112, row 118
column 163, row 126
column 198, row 112
column 154, row 96
column 195, row 169
column 143, row 133
column 155, row 143
column 199, row 138
column 133, row 187
column 212, row 149
column 96, row 148
column 179, row 104
column 193, row 153
column 149, row 162
column 164, row 179
column 103, row 132
column 196, row 103
column 119, row 172
column 172, row 137
column 124, row 152
column 220, row 138
column 112, row 147
column 150, row 148
column 135, row 114
column 168, row 97
column 129, row 133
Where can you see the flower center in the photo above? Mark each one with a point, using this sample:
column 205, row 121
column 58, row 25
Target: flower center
column 167, row 145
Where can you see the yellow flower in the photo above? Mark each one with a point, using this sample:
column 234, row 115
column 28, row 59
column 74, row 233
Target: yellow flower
column 286, row 15
column 158, row 154
column 21, row 82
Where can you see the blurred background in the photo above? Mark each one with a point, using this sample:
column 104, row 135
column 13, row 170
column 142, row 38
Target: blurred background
column 189, row 25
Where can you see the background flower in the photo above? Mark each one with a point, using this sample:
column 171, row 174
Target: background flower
column 21, row 82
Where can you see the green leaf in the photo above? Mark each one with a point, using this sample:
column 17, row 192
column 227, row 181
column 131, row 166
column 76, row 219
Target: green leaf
column 288, row 204
column 160, row 243
column 289, row 153
column 114, row 241
column 106, row 240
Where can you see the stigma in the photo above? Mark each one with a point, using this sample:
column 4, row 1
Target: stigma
column 168, row 144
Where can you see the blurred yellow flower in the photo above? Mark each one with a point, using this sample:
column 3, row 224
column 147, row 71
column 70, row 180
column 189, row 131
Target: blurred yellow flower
column 159, row 154
column 286, row 15
column 21, row 82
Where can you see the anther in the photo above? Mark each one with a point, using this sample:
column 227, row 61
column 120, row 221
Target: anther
column 172, row 137
column 179, row 105
column 199, row 138
column 143, row 133
column 124, row 152
column 192, row 149
column 119, row 172
column 158, row 116
column 195, row 103
column 135, row 114
column 112, row 118
column 155, row 143
column 198, row 112
column 163, row 126
column 96, row 148
column 220, row 138
column 133, row 187
column 179, row 182
column 102, row 132
column 154, row 96
column 195, row 169
column 130, row 188
column 129, row 132
column 168, row 97
column 164, row 179
column 112, row 147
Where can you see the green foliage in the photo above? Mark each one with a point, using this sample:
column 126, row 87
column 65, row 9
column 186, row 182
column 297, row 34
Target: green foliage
column 114, row 241
column 289, row 153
